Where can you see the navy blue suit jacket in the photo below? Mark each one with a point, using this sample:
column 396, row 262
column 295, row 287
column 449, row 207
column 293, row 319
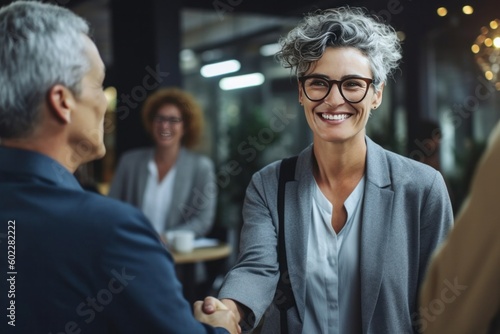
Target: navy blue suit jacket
column 83, row 263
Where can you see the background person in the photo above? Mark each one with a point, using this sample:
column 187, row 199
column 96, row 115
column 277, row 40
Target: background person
column 360, row 221
column 461, row 292
column 77, row 261
column 427, row 149
column 172, row 185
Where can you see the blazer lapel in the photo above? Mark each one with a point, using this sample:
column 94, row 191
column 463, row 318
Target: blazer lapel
column 376, row 222
column 142, row 176
column 374, row 239
column 182, row 186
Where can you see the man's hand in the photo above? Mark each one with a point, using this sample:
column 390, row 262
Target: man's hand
column 213, row 312
column 210, row 305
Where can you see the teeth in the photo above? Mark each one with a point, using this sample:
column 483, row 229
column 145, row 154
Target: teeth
column 339, row 117
column 165, row 134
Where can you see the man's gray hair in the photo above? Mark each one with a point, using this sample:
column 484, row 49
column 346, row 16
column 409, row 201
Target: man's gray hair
column 41, row 45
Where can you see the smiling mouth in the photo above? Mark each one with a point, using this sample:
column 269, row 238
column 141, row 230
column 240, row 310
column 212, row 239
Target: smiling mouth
column 336, row 117
column 165, row 134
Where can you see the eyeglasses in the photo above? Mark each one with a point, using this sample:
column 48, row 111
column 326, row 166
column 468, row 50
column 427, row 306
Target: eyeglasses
column 170, row 120
column 352, row 89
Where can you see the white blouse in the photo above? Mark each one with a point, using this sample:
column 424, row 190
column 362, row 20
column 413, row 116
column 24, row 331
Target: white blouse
column 333, row 291
column 158, row 196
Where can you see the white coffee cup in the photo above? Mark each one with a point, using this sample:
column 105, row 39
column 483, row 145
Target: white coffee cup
column 183, row 241
column 169, row 238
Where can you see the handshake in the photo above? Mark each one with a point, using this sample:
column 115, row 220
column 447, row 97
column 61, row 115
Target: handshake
column 218, row 313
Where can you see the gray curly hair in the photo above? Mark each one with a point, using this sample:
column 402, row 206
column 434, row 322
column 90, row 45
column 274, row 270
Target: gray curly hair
column 341, row 27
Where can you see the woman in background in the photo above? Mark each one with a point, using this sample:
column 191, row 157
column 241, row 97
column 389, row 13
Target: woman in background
column 174, row 187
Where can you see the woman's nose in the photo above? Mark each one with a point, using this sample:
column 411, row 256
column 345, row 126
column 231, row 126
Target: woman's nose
column 334, row 97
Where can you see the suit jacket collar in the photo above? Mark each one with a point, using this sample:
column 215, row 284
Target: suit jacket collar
column 298, row 195
column 16, row 162
column 376, row 222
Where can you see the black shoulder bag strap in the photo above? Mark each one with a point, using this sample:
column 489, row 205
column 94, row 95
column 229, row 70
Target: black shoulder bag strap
column 284, row 298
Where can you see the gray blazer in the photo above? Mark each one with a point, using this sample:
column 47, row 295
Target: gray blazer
column 195, row 191
column 406, row 214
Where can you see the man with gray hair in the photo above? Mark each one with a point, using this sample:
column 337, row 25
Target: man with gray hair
column 75, row 262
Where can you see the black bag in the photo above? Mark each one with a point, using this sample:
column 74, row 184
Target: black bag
column 283, row 297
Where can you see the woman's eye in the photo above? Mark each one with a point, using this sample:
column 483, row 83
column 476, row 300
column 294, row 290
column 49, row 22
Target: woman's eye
column 353, row 83
column 319, row 83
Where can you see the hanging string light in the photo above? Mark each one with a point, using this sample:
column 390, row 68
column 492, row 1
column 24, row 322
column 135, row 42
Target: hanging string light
column 487, row 52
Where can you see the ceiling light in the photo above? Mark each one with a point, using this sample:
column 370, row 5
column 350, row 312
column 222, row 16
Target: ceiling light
column 242, row 81
column 188, row 60
column 442, row 11
column 467, row 10
column 269, row 49
column 496, row 42
column 224, row 67
column 212, row 55
column 187, row 55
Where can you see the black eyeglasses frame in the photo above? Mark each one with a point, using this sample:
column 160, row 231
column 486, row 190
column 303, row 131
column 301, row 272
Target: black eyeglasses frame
column 339, row 83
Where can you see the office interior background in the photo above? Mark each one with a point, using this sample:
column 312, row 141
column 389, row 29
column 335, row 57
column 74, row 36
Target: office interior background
column 450, row 74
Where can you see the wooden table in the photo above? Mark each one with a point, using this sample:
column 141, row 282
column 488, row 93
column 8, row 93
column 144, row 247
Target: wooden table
column 220, row 251
column 186, row 264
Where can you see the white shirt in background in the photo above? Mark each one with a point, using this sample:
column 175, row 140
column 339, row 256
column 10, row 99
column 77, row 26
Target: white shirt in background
column 158, row 196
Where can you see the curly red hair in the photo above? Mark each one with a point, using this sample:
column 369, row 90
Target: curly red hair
column 191, row 113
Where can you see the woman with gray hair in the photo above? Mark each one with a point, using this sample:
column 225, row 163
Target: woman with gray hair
column 357, row 224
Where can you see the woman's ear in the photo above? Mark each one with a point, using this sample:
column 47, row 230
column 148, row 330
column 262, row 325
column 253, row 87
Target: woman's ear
column 61, row 103
column 301, row 94
column 377, row 97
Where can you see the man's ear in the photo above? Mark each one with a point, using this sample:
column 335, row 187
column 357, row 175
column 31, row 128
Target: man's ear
column 61, row 103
